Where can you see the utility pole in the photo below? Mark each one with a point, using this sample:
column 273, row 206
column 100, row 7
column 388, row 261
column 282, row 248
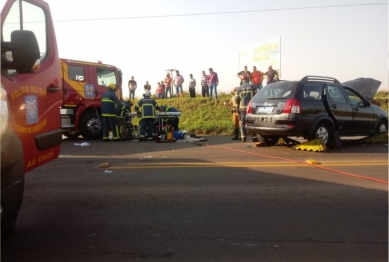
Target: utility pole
column 171, row 75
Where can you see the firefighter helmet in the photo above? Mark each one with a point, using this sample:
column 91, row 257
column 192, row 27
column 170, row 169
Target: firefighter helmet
column 112, row 86
column 147, row 93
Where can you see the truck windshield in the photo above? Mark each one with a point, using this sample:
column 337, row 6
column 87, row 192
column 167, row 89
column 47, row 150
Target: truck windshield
column 105, row 77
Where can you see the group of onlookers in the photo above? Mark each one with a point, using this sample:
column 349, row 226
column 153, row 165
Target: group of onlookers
column 209, row 85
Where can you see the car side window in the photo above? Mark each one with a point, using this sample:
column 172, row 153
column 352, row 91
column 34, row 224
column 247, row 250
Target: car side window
column 353, row 97
column 312, row 91
column 335, row 94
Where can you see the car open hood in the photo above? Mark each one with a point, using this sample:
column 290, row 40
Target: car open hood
column 367, row 87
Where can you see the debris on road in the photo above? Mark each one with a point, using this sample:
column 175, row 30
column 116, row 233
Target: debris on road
column 108, row 171
column 104, row 165
column 82, row 144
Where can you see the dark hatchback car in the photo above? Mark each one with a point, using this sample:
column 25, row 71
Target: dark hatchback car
column 316, row 107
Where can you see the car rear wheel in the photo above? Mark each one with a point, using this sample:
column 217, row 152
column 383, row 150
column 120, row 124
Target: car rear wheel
column 382, row 127
column 91, row 126
column 271, row 140
column 322, row 131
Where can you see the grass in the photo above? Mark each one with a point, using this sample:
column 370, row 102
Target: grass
column 210, row 117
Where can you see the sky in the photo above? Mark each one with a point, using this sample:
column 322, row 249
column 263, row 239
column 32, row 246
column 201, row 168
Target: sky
column 344, row 39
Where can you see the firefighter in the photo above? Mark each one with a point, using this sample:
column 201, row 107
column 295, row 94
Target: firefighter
column 234, row 102
column 245, row 92
column 148, row 106
column 173, row 121
column 109, row 101
column 121, row 114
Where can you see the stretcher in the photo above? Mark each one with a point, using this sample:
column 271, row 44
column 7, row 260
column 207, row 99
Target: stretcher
column 159, row 126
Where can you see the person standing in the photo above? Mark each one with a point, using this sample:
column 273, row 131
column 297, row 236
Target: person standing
column 147, row 86
column 192, row 86
column 246, row 73
column 271, row 75
column 204, row 84
column 234, row 102
column 159, row 92
column 178, row 81
column 213, row 81
column 109, row 102
column 132, row 87
column 168, row 85
column 164, row 88
column 245, row 92
column 148, row 106
column 256, row 78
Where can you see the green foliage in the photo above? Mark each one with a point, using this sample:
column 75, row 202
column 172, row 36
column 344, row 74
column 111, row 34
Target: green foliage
column 381, row 99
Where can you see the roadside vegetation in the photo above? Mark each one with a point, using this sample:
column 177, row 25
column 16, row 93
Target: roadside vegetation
column 204, row 116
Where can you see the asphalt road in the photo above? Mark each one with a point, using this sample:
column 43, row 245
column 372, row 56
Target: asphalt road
column 218, row 200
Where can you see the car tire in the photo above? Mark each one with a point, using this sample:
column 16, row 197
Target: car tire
column 322, row 130
column 11, row 199
column 271, row 140
column 382, row 127
column 90, row 126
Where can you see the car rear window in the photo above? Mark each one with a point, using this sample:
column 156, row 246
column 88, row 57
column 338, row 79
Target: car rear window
column 282, row 90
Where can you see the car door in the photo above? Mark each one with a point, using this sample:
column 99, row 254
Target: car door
column 34, row 98
column 363, row 113
column 338, row 107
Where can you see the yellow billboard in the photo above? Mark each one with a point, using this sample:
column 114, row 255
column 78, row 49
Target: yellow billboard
column 262, row 55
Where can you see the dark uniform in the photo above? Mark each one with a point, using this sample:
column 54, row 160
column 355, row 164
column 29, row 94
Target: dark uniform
column 174, row 121
column 148, row 106
column 121, row 114
column 109, row 102
column 246, row 92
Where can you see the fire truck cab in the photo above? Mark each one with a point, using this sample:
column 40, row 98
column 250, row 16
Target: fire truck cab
column 30, row 99
column 83, row 85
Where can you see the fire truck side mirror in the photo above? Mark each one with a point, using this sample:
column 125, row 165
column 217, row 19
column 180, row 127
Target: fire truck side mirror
column 25, row 52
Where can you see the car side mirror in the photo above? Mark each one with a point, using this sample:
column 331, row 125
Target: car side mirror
column 24, row 47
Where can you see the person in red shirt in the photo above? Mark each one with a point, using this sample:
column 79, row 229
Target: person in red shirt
column 256, row 78
column 213, row 82
column 159, row 92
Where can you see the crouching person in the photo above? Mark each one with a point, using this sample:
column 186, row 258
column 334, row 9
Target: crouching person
column 148, row 107
column 121, row 114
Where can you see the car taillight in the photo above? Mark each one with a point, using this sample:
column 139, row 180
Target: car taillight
column 292, row 106
column 249, row 108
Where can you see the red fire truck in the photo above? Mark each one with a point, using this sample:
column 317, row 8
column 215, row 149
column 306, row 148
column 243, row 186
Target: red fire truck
column 83, row 85
column 30, row 99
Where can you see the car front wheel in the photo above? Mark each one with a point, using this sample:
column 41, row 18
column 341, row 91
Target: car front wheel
column 382, row 127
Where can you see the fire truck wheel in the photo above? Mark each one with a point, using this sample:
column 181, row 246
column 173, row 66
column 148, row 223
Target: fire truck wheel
column 90, row 126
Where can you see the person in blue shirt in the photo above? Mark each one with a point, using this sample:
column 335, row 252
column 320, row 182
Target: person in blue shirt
column 109, row 102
